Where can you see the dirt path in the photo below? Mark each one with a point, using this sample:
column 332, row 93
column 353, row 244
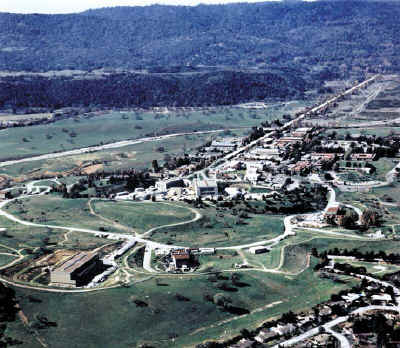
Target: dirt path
column 223, row 322
column 25, row 321
column 197, row 217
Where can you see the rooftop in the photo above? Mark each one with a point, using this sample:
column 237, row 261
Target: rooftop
column 206, row 183
column 75, row 262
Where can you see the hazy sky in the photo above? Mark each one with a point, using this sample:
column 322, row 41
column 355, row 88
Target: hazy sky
column 69, row 6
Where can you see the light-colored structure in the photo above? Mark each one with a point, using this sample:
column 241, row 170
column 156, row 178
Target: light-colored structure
column 252, row 175
column 205, row 188
column 180, row 259
column 258, row 249
column 164, row 185
column 76, row 270
column 5, row 195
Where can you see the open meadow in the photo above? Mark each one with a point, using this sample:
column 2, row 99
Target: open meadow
column 181, row 320
column 110, row 127
column 57, row 211
column 142, row 216
column 222, row 228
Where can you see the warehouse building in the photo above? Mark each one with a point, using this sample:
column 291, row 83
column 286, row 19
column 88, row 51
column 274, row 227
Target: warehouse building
column 205, row 188
column 164, row 185
column 77, row 270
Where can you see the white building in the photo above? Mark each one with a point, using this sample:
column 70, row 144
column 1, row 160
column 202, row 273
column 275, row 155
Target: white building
column 205, row 188
column 164, row 185
column 252, row 175
column 258, row 249
column 233, row 191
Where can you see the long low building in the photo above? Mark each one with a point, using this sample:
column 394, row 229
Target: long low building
column 205, row 188
column 164, row 185
column 77, row 270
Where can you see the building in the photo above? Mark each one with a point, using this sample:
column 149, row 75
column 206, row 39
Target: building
column 205, row 188
column 164, row 185
column 243, row 343
column 264, row 153
column 225, row 145
column 77, row 270
column 265, row 335
column 323, row 156
column 5, row 195
column 381, row 299
column 252, row 175
column 363, row 156
column 258, row 249
column 283, row 329
column 285, row 141
column 180, row 259
column 301, row 132
column 332, row 213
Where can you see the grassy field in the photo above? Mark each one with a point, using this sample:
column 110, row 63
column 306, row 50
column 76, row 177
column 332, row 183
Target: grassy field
column 137, row 156
column 378, row 131
column 295, row 258
column 110, row 318
column 376, row 268
column 5, row 259
column 55, row 210
column 142, row 216
column 27, row 237
column 363, row 200
column 19, row 236
column 114, row 126
column 383, row 166
column 218, row 229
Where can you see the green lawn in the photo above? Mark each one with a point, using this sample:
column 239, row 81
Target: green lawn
column 218, row 229
column 5, row 259
column 378, row 131
column 19, row 236
column 55, row 210
column 113, row 126
column 295, row 258
column 112, row 319
column 143, row 216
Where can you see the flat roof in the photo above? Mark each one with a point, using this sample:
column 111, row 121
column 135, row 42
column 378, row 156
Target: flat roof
column 206, row 183
column 304, row 129
column 75, row 262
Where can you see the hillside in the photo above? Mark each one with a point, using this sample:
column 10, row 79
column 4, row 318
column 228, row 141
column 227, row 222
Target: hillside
column 321, row 34
column 146, row 90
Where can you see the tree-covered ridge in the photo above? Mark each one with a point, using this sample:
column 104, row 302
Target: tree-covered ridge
column 301, row 34
column 146, row 90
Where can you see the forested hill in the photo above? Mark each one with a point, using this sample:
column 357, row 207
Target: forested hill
column 339, row 36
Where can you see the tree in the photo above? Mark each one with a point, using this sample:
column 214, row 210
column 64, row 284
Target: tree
column 155, row 166
column 369, row 218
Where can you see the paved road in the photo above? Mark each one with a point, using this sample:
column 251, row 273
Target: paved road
column 344, row 343
column 291, row 123
column 328, row 327
column 103, row 147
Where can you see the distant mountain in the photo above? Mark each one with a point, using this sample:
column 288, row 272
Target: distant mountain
column 339, row 36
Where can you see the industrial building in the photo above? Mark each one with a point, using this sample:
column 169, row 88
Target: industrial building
column 180, row 259
column 205, row 188
column 5, row 195
column 76, row 271
column 164, row 185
